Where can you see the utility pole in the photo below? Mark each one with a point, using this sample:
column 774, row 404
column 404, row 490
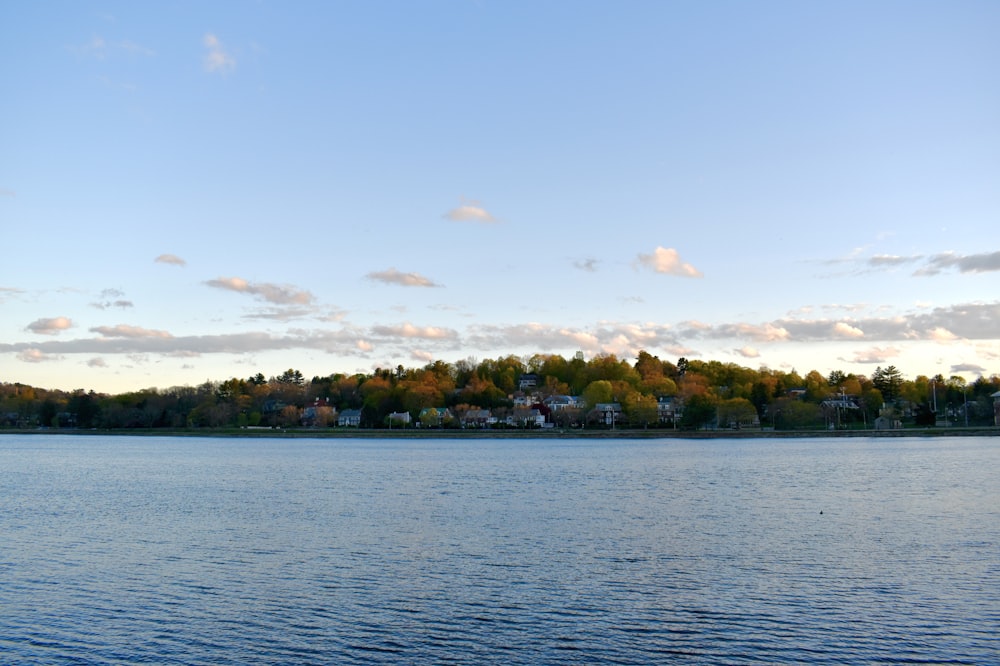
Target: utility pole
column 965, row 407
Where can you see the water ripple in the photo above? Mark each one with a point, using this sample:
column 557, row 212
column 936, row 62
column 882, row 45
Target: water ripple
column 146, row 550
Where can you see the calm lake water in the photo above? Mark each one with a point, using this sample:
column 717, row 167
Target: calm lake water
column 120, row 550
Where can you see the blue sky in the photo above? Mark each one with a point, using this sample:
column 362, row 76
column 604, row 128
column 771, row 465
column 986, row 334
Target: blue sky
column 197, row 191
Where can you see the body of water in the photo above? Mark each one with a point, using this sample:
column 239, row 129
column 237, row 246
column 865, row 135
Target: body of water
column 122, row 550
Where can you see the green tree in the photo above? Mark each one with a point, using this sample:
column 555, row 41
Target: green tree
column 793, row 414
column 888, row 382
column 734, row 412
column 699, row 411
column 597, row 392
column 640, row 409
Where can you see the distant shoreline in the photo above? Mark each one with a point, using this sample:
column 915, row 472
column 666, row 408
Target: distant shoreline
column 387, row 433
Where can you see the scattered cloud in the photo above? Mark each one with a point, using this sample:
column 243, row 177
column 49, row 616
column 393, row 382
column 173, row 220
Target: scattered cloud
column 874, row 355
column 844, row 330
column 890, row 260
column 392, row 276
column 422, row 356
column 768, row 332
column 410, row 331
column 272, row 293
column 217, row 59
column 111, row 298
column 971, row 322
column 941, row 334
column 113, row 304
column 470, row 211
column 668, row 261
column 171, row 259
column 932, row 265
column 97, row 362
column 36, row 356
column 4, row 192
column 589, row 264
column 968, row 367
column 9, row 292
column 332, row 315
column 281, row 313
column 970, row 263
column 52, row 326
column 126, row 331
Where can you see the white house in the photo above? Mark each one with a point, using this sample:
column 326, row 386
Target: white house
column 350, row 418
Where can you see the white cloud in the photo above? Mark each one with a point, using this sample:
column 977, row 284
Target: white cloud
column 408, row 330
column 52, row 326
column 287, row 313
column 36, row 356
column 422, row 356
column 768, row 332
column 392, row 276
column 970, row 322
column 874, row 355
column 890, row 260
column 470, row 211
column 941, row 334
column 126, row 331
column 171, row 259
column 97, row 362
column 272, row 293
column 844, row 330
column 217, row 59
column 668, row 261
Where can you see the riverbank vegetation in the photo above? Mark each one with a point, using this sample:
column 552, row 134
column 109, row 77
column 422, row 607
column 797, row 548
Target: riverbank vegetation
column 515, row 393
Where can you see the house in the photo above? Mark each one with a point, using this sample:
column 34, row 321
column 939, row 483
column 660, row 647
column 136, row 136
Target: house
column 527, row 381
column 432, row 417
column 522, row 399
column 669, row 409
column 350, row 418
column 399, row 418
column 560, row 402
column 319, row 413
column 836, row 409
column 525, row 417
column 608, row 413
column 888, row 419
column 477, row 418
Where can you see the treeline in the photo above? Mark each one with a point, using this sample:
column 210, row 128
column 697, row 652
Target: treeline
column 705, row 394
